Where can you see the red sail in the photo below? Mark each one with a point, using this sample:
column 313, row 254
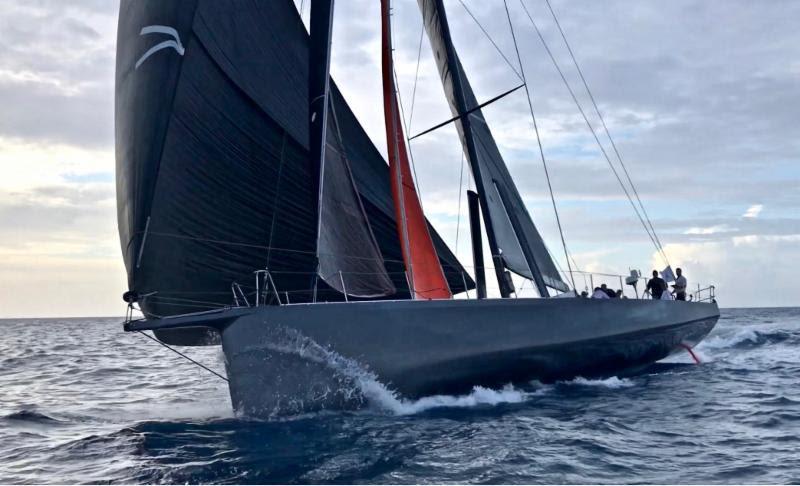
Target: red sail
column 424, row 271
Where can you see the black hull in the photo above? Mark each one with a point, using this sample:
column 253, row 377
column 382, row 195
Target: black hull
column 596, row 358
column 286, row 359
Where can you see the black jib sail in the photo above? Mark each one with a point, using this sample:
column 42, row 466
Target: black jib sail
column 348, row 256
column 514, row 240
column 213, row 163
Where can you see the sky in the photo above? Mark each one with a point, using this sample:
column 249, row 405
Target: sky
column 701, row 97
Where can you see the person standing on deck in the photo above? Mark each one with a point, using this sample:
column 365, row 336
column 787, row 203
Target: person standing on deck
column 656, row 286
column 680, row 285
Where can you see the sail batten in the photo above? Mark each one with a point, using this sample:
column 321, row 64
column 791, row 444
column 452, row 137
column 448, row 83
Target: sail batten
column 426, row 278
column 513, row 238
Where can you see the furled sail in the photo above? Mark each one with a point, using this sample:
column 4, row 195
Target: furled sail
column 213, row 162
column 425, row 274
column 348, row 256
column 515, row 242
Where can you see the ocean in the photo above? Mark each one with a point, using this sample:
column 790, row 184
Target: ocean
column 83, row 402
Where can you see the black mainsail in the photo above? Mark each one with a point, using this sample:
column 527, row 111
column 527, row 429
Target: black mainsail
column 348, row 256
column 213, row 161
column 513, row 238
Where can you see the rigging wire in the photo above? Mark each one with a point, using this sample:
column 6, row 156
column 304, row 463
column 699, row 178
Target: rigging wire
column 416, row 78
column 408, row 140
column 403, row 114
column 275, row 199
column 497, row 48
column 460, row 190
column 182, row 355
column 605, row 127
column 539, row 142
column 594, row 133
column 263, row 247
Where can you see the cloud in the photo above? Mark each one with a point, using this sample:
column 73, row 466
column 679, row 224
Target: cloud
column 57, row 72
column 756, row 240
column 746, row 271
column 710, row 230
column 753, row 211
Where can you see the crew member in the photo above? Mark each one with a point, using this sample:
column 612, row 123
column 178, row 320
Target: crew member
column 680, row 285
column 656, row 286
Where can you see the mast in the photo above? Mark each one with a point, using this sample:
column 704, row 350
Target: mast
column 473, row 202
column 424, row 272
column 319, row 62
column 514, row 241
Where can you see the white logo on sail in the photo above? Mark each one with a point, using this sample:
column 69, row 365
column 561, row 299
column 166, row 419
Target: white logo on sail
column 161, row 29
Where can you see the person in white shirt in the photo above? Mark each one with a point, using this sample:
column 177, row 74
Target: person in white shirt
column 600, row 294
column 680, row 285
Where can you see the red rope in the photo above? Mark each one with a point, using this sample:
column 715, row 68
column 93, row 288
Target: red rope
column 694, row 356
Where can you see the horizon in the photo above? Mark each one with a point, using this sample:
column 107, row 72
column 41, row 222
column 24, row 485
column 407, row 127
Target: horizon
column 122, row 317
column 701, row 98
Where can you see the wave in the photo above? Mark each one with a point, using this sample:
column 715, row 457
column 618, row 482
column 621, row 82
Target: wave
column 30, row 416
column 748, row 338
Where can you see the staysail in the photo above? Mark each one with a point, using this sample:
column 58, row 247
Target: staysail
column 348, row 256
column 425, row 274
column 213, row 161
column 514, row 240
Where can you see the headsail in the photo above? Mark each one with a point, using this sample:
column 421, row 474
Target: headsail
column 424, row 272
column 514, row 240
column 348, row 256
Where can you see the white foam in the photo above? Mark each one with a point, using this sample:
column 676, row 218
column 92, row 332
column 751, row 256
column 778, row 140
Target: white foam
column 479, row 396
column 613, row 382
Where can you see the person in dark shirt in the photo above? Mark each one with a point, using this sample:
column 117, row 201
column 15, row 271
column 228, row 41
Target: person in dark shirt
column 611, row 294
column 656, row 286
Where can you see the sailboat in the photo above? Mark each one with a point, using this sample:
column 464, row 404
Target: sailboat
column 255, row 213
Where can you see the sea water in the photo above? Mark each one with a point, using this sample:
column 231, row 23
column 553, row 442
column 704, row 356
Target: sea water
column 82, row 401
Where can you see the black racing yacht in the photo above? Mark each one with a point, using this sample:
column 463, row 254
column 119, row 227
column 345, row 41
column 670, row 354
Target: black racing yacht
column 255, row 213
